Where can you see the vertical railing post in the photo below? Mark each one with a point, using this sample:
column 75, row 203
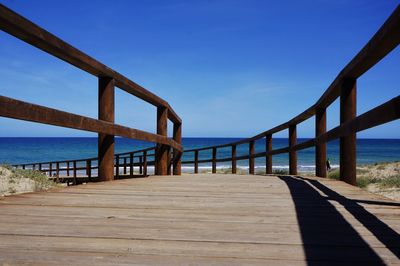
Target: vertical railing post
column 196, row 161
column 117, row 166
column 74, row 171
column 106, row 142
column 162, row 151
column 170, row 160
column 251, row 157
column 68, row 168
column 320, row 148
column 89, row 169
column 234, row 159
column 23, row 166
column 177, row 136
column 268, row 157
column 40, row 167
column 214, row 160
column 348, row 110
column 292, row 153
column 141, row 163
column 131, row 164
column 144, row 163
column 50, row 169
column 57, row 169
column 124, row 165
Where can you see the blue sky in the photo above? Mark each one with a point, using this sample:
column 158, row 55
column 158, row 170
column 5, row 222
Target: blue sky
column 229, row 68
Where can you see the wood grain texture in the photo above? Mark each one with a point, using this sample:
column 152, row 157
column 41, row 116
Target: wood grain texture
column 201, row 219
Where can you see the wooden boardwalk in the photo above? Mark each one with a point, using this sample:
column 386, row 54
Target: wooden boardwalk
column 201, row 219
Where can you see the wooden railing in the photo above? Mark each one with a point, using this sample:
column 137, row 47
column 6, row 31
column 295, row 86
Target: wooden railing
column 84, row 170
column 344, row 86
column 27, row 31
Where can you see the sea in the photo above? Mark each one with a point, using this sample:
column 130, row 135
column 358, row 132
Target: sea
column 23, row 150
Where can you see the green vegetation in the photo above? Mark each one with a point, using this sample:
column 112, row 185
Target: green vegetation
column 15, row 176
column 390, row 182
column 280, row 172
column 334, row 174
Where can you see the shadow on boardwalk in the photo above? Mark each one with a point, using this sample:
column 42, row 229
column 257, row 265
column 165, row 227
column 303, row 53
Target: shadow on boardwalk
column 322, row 225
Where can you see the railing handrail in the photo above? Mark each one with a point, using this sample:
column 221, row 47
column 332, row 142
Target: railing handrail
column 382, row 43
column 31, row 33
column 27, row 31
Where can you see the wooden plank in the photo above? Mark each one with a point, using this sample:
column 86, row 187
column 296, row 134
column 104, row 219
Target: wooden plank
column 202, row 218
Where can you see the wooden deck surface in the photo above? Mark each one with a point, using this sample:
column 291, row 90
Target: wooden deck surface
column 201, row 219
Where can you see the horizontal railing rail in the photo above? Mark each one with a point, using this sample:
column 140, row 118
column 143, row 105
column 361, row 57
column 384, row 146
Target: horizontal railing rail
column 382, row 43
column 27, row 31
column 70, row 171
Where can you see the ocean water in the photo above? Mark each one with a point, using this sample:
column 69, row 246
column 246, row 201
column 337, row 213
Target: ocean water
column 28, row 150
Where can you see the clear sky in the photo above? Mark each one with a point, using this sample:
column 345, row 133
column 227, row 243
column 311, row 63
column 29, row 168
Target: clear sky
column 228, row 68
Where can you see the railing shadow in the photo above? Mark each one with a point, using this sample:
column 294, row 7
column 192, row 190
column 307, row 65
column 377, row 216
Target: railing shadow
column 325, row 233
column 389, row 237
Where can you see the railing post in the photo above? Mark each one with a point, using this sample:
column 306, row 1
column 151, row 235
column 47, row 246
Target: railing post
column 292, row 153
column 74, row 171
column 106, row 142
column 57, row 169
column 234, row 159
column 131, row 164
column 141, row 163
column 268, row 157
column 89, row 169
column 196, row 161
column 162, row 151
column 33, row 167
column 50, row 169
column 23, row 166
column 117, row 166
column 40, row 167
column 214, row 160
column 320, row 148
column 145, row 163
column 124, row 165
column 170, row 160
column 251, row 157
column 177, row 136
column 348, row 99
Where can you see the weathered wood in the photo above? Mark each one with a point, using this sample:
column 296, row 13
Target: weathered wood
column 320, row 148
column 131, row 164
column 106, row 141
column 348, row 107
column 268, row 157
column 124, row 165
column 214, row 160
column 233, row 156
column 141, row 163
column 144, row 163
column 89, row 169
column 116, row 166
column 191, row 220
column 35, row 113
column 177, row 136
column 292, row 153
column 74, row 173
column 162, row 151
column 31, row 33
column 196, row 162
column 251, row 157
